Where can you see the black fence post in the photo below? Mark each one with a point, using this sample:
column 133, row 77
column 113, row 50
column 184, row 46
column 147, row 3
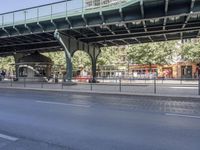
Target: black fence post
column 154, row 85
column 91, row 86
column 11, row 80
column 199, row 86
column 120, row 84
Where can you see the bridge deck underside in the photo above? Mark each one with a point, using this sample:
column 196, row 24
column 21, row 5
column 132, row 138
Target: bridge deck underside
column 140, row 22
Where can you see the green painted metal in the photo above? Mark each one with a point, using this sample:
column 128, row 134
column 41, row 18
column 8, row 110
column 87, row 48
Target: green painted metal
column 57, row 10
column 70, row 46
column 128, row 22
column 89, row 28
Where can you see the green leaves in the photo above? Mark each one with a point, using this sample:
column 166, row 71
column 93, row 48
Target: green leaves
column 81, row 59
column 190, row 51
column 152, row 53
column 111, row 55
column 5, row 63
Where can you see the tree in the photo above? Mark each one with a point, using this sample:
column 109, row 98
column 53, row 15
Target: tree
column 57, row 57
column 152, row 53
column 109, row 56
column 190, row 51
column 5, row 63
column 81, row 58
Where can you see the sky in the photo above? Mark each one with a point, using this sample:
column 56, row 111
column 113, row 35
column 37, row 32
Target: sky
column 11, row 5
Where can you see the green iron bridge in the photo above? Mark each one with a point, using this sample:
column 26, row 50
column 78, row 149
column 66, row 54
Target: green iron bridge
column 80, row 25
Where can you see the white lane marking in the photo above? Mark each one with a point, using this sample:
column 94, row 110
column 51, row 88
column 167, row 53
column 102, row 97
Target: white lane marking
column 10, row 138
column 56, row 103
column 184, row 87
column 180, row 115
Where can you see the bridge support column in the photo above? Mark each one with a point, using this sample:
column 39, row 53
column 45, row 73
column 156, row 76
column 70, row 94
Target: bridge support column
column 69, row 74
column 94, row 53
column 70, row 46
column 66, row 44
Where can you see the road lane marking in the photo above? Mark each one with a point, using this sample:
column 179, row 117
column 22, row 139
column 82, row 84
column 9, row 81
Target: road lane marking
column 64, row 104
column 180, row 115
column 6, row 137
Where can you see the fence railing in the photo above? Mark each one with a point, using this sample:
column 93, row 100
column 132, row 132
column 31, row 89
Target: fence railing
column 51, row 11
column 130, row 85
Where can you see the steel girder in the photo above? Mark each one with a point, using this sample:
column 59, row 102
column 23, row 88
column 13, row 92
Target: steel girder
column 139, row 22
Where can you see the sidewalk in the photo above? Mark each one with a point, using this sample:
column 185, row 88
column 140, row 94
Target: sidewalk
column 138, row 90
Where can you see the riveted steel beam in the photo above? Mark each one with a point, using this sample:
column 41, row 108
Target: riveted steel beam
column 166, row 12
column 188, row 17
column 142, row 13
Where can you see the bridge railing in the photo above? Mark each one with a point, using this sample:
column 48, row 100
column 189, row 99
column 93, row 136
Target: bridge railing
column 51, row 11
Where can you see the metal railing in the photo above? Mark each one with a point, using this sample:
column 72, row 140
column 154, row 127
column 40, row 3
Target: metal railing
column 185, row 87
column 52, row 11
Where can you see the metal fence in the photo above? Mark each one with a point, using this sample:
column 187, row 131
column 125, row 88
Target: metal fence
column 184, row 87
column 52, row 11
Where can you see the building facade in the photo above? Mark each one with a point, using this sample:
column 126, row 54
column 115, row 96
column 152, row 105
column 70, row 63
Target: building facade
column 182, row 69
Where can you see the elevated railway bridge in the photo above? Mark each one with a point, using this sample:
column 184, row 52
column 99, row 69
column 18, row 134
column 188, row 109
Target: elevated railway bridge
column 73, row 25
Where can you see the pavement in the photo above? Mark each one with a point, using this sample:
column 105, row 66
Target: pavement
column 50, row 120
column 189, row 90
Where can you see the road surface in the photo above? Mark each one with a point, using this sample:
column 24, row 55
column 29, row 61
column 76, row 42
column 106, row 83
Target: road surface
column 39, row 120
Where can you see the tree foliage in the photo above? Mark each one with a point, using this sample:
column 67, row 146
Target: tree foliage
column 110, row 55
column 6, row 63
column 81, row 59
column 152, row 53
column 57, row 57
column 190, row 51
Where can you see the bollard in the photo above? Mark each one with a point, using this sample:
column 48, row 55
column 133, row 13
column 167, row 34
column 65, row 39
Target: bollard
column 199, row 85
column 181, row 81
column 154, row 85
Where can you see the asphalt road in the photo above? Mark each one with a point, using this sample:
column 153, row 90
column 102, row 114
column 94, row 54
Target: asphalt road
column 39, row 120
